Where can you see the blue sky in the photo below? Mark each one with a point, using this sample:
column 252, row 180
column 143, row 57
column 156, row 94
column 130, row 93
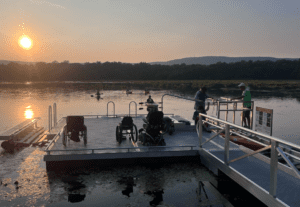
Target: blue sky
column 147, row 31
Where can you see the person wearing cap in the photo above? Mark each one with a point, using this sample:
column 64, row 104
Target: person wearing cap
column 150, row 100
column 246, row 96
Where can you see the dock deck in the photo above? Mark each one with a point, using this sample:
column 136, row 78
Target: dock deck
column 101, row 141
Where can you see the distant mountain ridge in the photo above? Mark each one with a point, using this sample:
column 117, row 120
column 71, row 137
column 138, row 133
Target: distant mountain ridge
column 205, row 60
column 6, row 62
column 208, row 60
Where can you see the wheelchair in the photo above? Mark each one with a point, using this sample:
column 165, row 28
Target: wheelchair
column 151, row 133
column 75, row 130
column 126, row 127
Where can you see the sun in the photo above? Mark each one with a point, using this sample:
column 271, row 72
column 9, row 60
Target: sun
column 25, row 42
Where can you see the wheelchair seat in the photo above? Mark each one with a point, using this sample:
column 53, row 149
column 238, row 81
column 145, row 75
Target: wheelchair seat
column 75, row 128
column 75, row 123
column 155, row 118
column 127, row 122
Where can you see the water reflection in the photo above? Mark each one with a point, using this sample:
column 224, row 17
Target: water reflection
column 76, row 191
column 28, row 113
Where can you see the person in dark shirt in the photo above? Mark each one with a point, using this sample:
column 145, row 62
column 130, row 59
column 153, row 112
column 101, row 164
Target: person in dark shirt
column 202, row 96
column 150, row 100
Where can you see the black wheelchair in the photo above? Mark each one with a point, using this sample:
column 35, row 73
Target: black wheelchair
column 126, row 127
column 152, row 132
column 75, row 130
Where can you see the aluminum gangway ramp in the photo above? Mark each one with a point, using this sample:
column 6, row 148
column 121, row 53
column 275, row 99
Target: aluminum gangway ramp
column 272, row 182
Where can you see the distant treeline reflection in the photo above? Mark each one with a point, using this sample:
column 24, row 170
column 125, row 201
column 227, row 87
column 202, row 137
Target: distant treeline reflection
column 116, row 71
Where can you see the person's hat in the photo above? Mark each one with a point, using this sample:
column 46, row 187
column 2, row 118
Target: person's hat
column 242, row 84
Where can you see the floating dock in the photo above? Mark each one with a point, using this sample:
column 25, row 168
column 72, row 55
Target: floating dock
column 251, row 172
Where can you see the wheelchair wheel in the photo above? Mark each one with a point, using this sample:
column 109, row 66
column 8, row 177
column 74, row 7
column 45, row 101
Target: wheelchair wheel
column 119, row 134
column 171, row 130
column 64, row 138
column 134, row 134
column 85, row 137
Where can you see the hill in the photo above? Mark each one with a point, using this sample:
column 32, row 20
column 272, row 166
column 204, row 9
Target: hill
column 208, row 60
column 5, row 62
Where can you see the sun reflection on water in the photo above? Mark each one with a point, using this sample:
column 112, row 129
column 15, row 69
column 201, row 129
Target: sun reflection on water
column 28, row 113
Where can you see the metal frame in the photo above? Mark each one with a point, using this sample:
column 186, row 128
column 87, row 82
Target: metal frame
column 274, row 149
column 162, row 99
column 229, row 101
column 135, row 107
column 107, row 107
column 48, row 151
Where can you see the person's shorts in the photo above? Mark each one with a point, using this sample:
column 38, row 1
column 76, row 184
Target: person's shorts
column 246, row 113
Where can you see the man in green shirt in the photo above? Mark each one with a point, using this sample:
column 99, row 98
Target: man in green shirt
column 246, row 96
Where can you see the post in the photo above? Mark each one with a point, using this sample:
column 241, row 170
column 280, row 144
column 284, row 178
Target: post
column 200, row 130
column 226, row 147
column 242, row 114
column 162, row 103
column 226, row 115
column 234, row 108
column 273, row 168
column 251, row 121
column 54, row 114
column 218, row 108
column 50, row 118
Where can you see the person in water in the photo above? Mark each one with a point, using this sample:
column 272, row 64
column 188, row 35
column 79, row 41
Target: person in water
column 150, row 100
column 246, row 96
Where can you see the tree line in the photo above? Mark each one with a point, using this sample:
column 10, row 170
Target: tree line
column 116, row 71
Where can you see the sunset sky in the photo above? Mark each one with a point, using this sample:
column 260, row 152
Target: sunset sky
column 135, row 31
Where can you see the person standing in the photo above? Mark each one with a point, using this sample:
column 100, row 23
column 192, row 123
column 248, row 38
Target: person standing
column 202, row 96
column 200, row 105
column 246, row 96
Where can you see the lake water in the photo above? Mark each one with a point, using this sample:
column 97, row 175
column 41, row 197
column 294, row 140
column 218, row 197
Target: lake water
column 22, row 101
column 167, row 185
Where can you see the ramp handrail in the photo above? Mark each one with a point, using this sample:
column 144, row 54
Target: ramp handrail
column 274, row 146
column 234, row 102
column 107, row 107
column 189, row 99
column 135, row 108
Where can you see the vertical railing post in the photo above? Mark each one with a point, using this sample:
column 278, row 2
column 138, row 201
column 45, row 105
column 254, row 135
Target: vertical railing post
column 162, row 103
column 50, row 118
column 218, row 108
column 251, row 121
column 226, row 147
column 226, row 115
column 234, row 108
column 242, row 114
column 273, row 168
column 54, row 114
column 200, row 130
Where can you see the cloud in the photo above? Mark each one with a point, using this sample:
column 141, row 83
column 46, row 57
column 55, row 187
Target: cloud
column 47, row 3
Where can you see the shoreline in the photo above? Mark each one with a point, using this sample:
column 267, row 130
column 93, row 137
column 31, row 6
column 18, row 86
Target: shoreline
column 160, row 84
